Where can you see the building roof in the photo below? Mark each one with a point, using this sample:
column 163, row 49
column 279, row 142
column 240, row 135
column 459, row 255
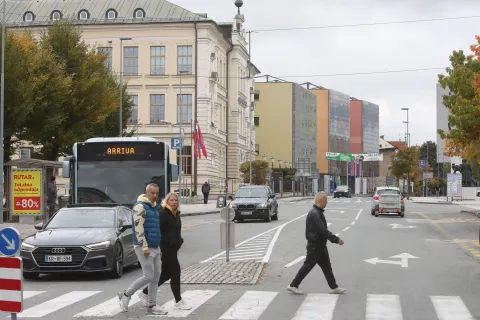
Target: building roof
column 42, row 10
column 398, row 144
column 383, row 144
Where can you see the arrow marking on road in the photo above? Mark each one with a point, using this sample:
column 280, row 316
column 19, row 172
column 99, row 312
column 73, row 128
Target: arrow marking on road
column 403, row 260
column 11, row 244
column 399, row 226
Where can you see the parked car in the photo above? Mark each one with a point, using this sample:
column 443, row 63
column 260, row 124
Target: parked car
column 254, row 202
column 342, row 191
column 388, row 200
column 81, row 238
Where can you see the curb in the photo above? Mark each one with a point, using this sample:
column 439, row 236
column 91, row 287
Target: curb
column 424, row 202
column 471, row 212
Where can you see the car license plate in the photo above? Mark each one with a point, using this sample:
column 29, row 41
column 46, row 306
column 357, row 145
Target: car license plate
column 247, row 213
column 58, row 258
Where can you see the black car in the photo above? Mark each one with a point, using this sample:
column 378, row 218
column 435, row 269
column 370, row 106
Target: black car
column 255, row 202
column 342, row 191
column 81, row 238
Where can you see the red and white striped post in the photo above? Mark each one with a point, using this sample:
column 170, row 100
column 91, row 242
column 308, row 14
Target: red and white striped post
column 11, row 285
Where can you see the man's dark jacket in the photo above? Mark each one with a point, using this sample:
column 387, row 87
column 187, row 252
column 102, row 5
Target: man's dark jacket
column 171, row 229
column 316, row 230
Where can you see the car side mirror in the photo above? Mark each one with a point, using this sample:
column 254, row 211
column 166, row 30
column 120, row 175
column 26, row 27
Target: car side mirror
column 39, row 226
column 230, row 198
column 125, row 226
column 272, row 196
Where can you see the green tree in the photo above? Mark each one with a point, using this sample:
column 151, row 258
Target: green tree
column 431, row 147
column 259, row 172
column 463, row 81
column 91, row 103
column 404, row 165
column 20, row 53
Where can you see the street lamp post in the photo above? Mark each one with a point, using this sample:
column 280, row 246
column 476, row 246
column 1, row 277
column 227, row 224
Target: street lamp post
column 2, row 105
column 180, row 171
column 180, row 180
column 273, row 160
column 407, row 122
column 264, row 157
column 121, row 82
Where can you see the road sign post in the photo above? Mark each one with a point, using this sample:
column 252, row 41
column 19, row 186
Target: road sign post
column 227, row 231
column 11, row 279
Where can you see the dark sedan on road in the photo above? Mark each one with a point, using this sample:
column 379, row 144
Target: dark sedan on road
column 342, row 191
column 81, row 238
column 255, row 202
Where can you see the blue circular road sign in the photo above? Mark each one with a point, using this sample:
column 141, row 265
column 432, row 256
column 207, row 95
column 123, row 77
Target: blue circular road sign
column 9, row 241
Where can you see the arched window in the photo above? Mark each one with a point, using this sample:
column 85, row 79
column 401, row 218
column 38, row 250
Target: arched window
column 83, row 15
column 111, row 14
column 28, row 16
column 139, row 13
column 56, row 15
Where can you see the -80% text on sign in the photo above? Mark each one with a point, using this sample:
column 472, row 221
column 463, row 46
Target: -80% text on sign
column 28, row 203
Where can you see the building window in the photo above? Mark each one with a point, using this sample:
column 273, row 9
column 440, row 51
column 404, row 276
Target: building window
column 186, row 159
column 157, row 60
column 56, row 15
column 184, row 54
column 25, row 153
column 139, row 14
column 184, row 108
column 134, row 116
column 107, row 51
column 256, row 121
column 111, row 14
column 130, row 61
column 157, row 108
column 83, row 15
column 28, row 16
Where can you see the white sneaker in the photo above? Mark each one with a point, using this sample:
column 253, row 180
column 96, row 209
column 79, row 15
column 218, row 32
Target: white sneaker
column 294, row 290
column 182, row 305
column 157, row 311
column 143, row 297
column 338, row 290
column 124, row 301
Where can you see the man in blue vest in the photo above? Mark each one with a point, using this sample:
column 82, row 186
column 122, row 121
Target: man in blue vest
column 146, row 240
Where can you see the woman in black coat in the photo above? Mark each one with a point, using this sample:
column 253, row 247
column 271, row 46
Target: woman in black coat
column 171, row 242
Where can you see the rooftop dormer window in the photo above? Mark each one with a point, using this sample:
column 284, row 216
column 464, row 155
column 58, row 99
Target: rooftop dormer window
column 28, row 16
column 111, row 14
column 56, row 15
column 139, row 13
column 83, row 15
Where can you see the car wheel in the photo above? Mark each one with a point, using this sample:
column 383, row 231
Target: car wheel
column 117, row 269
column 268, row 218
column 402, row 214
column 275, row 216
column 30, row 275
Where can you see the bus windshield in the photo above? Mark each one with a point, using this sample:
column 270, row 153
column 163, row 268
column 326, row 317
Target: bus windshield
column 117, row 181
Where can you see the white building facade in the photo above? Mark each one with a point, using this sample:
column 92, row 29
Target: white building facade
column 181, row 68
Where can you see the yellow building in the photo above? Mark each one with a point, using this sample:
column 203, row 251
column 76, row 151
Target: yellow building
column 285, row 125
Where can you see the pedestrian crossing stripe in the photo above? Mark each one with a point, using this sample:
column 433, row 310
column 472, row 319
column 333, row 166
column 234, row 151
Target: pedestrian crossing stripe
column 251, row 305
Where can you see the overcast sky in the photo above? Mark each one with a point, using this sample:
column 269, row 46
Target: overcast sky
column 301, row 53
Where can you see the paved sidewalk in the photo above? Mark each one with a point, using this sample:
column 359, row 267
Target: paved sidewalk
column 187, row 210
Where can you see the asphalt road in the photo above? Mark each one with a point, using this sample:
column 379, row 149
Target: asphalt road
column 436, row 274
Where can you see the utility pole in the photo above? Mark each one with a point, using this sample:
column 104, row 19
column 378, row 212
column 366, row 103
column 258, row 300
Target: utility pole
column 251, row 108
column 2, row 106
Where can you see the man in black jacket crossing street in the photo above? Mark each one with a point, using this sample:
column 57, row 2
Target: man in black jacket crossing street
column 317, row 235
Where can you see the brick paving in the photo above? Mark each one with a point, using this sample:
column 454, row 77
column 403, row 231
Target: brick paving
column 221, row 272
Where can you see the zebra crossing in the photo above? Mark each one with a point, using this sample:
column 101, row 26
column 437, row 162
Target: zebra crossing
column 250, row 305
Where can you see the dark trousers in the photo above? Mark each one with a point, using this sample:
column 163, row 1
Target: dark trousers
column 316, row 254
column 170, row 271
column 205, row 198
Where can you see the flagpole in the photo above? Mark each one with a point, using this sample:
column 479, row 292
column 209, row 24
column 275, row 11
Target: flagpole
column 191, row 153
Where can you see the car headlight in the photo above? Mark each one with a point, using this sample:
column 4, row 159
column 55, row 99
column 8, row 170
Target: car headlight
column 232, row 205
column 27, row 247
column 262, row 205
column 98, row 245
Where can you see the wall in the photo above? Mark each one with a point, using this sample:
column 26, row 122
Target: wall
column 442, row 122
column 356, row 126
column 274, row 112
column 322, row 129
column 304, row 113
column 370, row 134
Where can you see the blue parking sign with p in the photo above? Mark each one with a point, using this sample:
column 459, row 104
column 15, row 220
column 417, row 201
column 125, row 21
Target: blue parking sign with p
column 175, row 143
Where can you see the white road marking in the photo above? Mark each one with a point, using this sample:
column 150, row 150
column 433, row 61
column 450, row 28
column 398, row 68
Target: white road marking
column 337, row 234
column 451, row 308
column 268, row 247
column 346, row 229
column 56, row 304
column 250, row 306
column 383, row 307
column 288, row 265
column 352, row 223
column 316, row 306
column 108, row 308
column 195, row 299
column 358, row 214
